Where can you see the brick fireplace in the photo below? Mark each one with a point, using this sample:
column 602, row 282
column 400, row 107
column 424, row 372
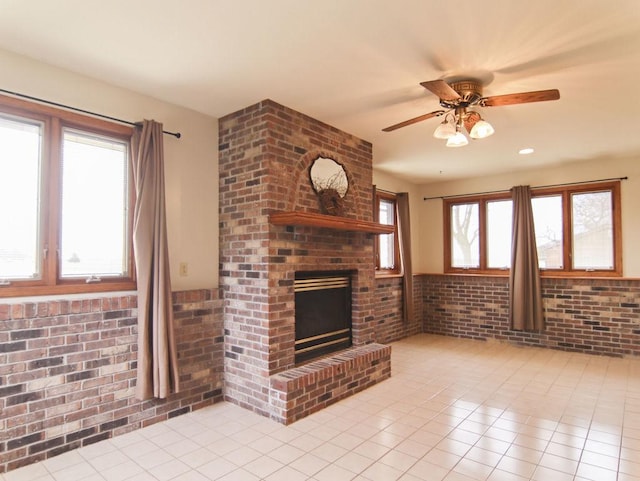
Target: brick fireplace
column 323, row 313
column 265, row 153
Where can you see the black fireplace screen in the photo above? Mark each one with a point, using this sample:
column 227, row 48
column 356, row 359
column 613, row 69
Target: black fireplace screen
column 323, row 313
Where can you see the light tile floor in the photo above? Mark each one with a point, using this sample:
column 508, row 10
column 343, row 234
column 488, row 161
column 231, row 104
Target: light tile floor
column 454, row 410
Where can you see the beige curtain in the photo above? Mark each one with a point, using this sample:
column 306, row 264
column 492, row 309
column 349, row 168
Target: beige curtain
column 525, row 294
column 404, row 241
column 157, row 358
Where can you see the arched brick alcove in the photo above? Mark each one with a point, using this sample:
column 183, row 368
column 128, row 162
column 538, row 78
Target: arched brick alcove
column 303, row 190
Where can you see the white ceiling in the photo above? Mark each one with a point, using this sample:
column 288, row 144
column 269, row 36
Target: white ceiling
column 357, row 65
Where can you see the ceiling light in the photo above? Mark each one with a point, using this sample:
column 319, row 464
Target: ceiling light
column 526, row 151
column 451, row 128
column 458, row 140
column 481, row 130
column 445, row 130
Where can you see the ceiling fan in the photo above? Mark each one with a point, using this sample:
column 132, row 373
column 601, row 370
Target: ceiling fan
column 457, row 97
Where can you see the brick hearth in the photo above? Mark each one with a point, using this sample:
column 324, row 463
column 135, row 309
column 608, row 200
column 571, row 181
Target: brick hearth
column 266, row 151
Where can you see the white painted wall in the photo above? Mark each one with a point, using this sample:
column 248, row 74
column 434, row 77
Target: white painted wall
column 191, row 162
column 192, row 174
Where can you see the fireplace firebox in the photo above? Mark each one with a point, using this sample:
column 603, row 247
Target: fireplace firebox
column 322, row 313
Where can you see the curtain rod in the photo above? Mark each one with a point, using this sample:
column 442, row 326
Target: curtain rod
column 536, row 187
column 177, row 135
column 386, row 191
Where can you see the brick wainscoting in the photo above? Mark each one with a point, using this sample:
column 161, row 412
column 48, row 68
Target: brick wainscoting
column 599, row 316
column 389, row 323
column 68, row 369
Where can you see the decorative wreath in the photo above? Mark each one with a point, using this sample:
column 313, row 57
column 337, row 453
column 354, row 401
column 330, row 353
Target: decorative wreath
column 331, row 202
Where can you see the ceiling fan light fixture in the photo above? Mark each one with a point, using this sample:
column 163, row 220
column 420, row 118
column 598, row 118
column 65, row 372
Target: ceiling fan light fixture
column 445, row 130
column 457, row 140
column 481, row 130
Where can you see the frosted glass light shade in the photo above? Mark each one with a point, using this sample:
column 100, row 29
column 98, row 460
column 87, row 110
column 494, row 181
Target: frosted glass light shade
column 444, row 130
column 458, row 140
column 481, row 130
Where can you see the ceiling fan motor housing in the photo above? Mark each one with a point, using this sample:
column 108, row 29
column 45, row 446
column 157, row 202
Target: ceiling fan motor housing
column 470, row 92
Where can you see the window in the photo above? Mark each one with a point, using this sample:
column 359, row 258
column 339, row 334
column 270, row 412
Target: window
column 386, row 245
column 577, row 231
column 499, row 213
column 548, row 223
column 465, row 232
column 65, row 203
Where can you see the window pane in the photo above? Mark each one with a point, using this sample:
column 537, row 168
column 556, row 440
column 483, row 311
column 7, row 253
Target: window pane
column 20, row 166
column 94, row 206
column 465, row 246
column 499, row 220
column 386, row 242
column 547, row 219
column 592, row 219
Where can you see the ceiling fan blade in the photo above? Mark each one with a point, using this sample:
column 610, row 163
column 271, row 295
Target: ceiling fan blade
column 435, row 113
column 520, row 98
column 442, row 89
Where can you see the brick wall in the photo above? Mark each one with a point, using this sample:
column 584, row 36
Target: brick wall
column 599, row 316
column 389, row 323
column 301, row 391
column 68, row 368
column 265, row 154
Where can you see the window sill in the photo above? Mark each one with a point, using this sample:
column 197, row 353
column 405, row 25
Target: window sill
column 65, row 297
column 66, row 291
column 543, row 275
column 388, row 275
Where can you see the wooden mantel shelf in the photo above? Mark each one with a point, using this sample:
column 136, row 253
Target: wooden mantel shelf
column 328, row 221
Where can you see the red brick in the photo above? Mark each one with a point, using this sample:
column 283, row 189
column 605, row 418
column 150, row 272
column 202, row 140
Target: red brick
column 575, row 310
column 97, row 410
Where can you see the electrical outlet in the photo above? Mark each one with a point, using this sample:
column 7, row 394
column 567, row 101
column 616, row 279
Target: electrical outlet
column 184, row 269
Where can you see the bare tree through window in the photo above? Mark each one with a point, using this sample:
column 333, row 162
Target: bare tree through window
column 592, row 222
column 465, row 231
